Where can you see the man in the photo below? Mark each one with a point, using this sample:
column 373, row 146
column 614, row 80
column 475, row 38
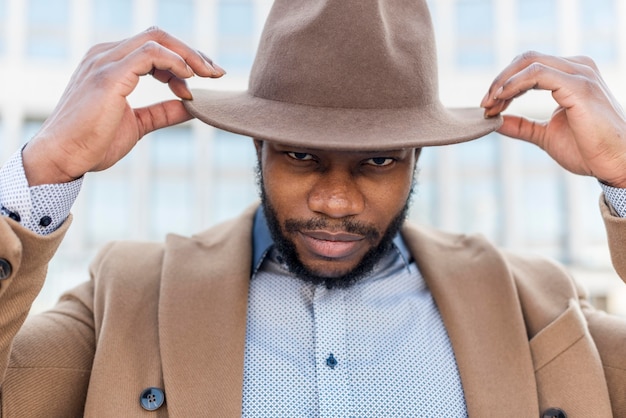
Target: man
column 322, row 302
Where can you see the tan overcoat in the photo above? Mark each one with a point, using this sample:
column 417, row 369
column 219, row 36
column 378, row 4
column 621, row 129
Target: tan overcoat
column 173, row 316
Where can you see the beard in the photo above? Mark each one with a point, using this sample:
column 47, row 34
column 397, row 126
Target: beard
column 287, row 249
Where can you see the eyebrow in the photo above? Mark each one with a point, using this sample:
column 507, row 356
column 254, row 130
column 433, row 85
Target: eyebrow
column 315, row 150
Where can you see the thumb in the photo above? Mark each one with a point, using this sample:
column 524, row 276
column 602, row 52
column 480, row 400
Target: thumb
column 160, row 115
column 524, row 129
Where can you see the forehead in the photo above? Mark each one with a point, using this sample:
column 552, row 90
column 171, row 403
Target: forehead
column 321, row 151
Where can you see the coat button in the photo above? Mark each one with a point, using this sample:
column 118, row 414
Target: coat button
column 151, row 399
column 5, row 269
column 554, row 413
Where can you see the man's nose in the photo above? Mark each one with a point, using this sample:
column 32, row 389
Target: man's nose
column 336, row 194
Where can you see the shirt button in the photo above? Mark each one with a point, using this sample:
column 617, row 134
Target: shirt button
column 45, row 221
column 15, row 216
column 331, row 361
column 5, row 269
column 152, row 399
column 554, row 413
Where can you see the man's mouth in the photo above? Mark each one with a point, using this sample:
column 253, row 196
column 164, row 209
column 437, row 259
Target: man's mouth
column 335, row 245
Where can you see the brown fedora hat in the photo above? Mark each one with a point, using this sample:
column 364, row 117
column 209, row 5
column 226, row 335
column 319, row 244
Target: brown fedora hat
column 344, row 74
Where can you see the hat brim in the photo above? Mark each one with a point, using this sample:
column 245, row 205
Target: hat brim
column 338, row 128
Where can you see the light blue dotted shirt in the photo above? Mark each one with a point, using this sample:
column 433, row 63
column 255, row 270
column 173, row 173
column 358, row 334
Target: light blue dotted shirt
column 378, row 348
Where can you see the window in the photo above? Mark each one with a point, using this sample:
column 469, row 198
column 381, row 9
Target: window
column 233, row 163
column 474, row 38
column 543, row 203
column 3, row 26
column 108, row 198
column 537, row 26
column 177, row 18
column 479, row 198
column 236, row 43
column 458, row 187
column 171, row 181
column 48, row 29
column 598, row 21
column 29, row 128
column 112, row 20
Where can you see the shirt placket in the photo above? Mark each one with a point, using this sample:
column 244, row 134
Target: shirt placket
column 334, row 391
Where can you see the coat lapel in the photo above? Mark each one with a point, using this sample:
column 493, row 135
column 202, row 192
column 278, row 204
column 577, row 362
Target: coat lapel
column 477, row 298
column 202, row 320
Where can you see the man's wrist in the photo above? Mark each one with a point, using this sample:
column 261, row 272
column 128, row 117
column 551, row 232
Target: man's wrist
column 40, row 171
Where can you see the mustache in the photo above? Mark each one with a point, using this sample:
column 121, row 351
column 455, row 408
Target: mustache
column 369, row 232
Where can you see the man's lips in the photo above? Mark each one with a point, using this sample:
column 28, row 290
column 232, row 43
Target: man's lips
column 331, row 244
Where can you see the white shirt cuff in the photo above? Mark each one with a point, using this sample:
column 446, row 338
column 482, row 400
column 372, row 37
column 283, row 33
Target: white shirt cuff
column 42, row 209
column 615, row 197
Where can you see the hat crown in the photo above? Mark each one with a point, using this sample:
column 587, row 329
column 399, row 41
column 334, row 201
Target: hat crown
column 354, row 54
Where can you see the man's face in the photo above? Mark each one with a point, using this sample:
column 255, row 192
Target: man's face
column 333, row 214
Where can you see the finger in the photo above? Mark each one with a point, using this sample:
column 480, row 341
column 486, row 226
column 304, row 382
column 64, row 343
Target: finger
column 124, row 74
column 160, row 115
column 102, row 48
column 524, row 129
column 499, row 107
column 210, row 61
column 572, row 65
column 566, row 88
column 194, row 58
column 177, row 85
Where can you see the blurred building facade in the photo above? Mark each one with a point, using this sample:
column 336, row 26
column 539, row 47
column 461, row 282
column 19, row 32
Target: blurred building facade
column 189, row 177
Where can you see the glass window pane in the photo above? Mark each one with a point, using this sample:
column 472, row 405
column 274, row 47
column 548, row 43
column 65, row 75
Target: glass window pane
column 537, row 27
column 176, row 17
column 3, row 26
column 233, row 166
column 474, row 37
column 29, row 128
column 113, row 19
column 599, row 29
column 543, row 203
column 172, row 200
column 479, row 209
column 172, row 148
column 48, row 28
column 172, row 207
column 236, row 35
column 108, row 200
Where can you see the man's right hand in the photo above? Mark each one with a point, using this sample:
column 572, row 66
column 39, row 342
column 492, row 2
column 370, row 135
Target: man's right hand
column 93, row 126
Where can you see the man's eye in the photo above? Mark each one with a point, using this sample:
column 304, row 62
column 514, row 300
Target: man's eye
column 300, row 156
column 380, row 161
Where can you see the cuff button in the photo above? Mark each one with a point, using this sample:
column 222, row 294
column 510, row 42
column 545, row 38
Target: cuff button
column 5, row 269
column 45, row 221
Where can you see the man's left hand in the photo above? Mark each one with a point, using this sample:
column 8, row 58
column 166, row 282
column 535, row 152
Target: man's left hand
column 586, row 134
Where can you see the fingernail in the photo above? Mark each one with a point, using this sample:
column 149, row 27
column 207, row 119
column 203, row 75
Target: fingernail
column 187, row 95
column 215, row 69
column 209, row 65
column 496, row 96
column 219, row 69
column 484, row 100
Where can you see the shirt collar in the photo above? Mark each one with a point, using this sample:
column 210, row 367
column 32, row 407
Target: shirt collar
column 262, row 242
